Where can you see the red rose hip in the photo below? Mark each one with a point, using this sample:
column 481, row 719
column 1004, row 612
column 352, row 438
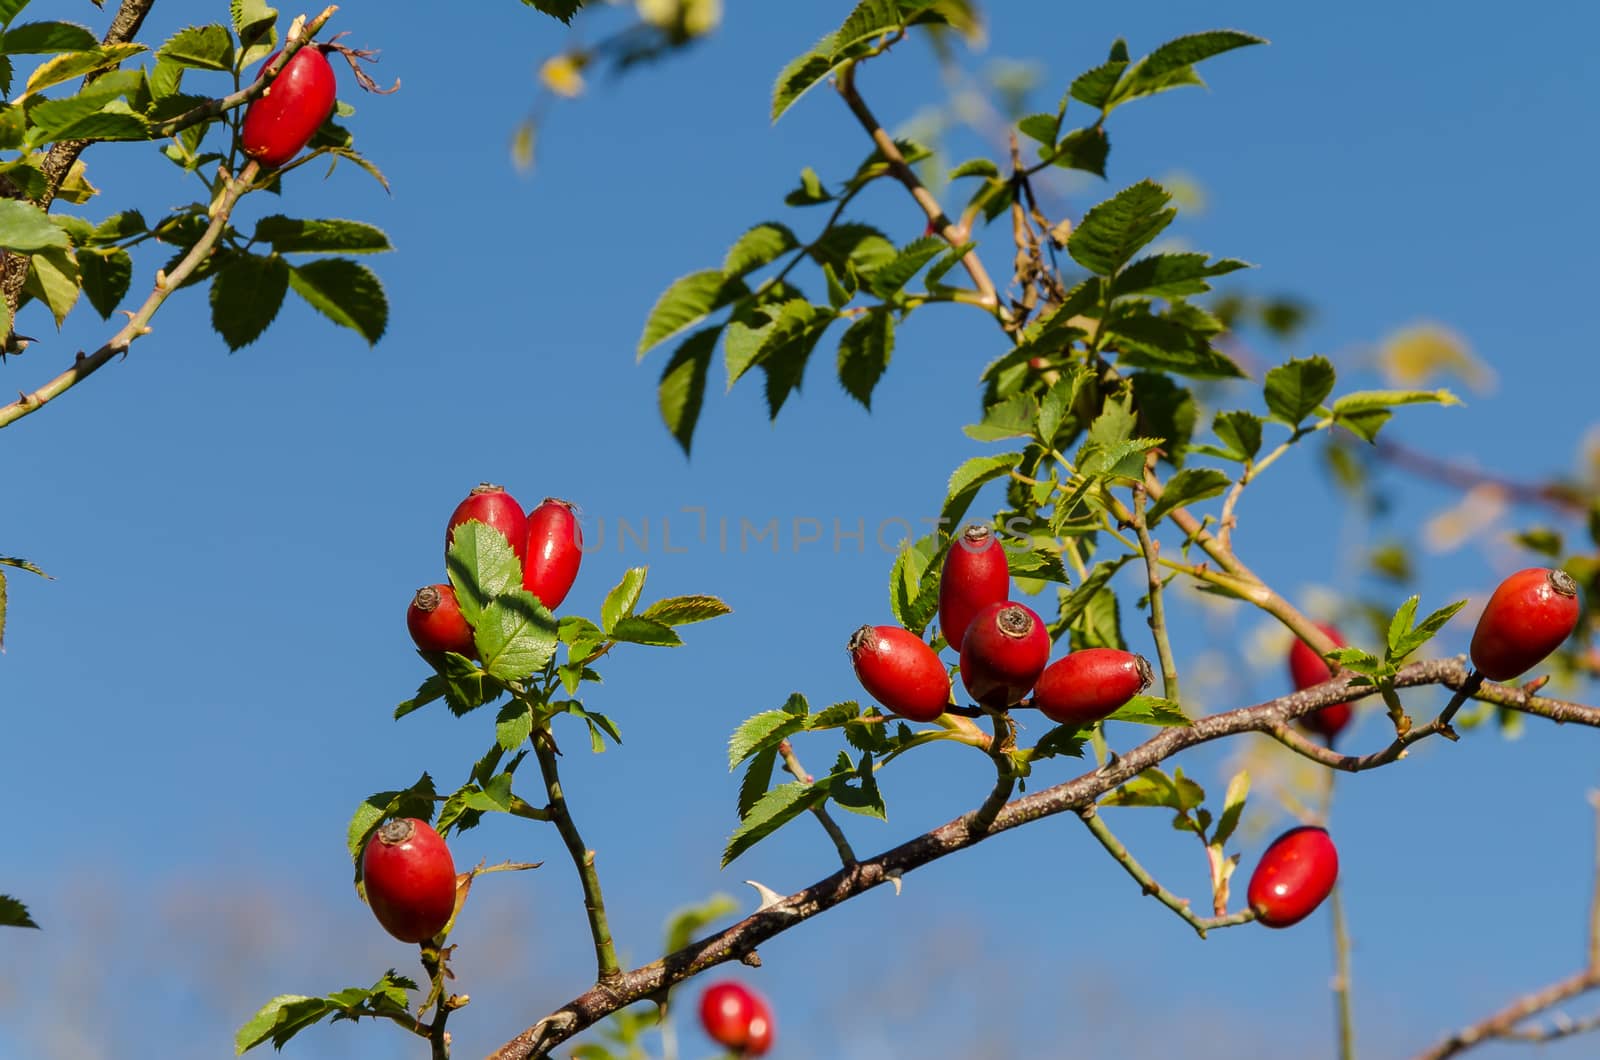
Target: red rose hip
column 737, row 1018
column 492, row 506
column 552, row 552
column 279, row 123
column 410, row 879
column 1293, row 877
column 975, row 575
column 1003, row 653
column 900, row 671
column 436, row 622
column 1088, row 685
column 1307, row 668
column 1526, row 618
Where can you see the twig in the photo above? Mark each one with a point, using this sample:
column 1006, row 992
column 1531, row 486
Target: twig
column 1557, row 495
column 845, row 82
column 1097, row 828
column 1465, row 692
column 1158, row 614
column 138, row 322
column 594, row 904
column 791, row 762
column 1502, row 1024
column 742, row 938
column 1341, row 976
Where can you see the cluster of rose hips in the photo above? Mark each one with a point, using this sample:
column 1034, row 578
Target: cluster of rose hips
column 1004, row 648
column 737, row 1018
column 548, row 542
column 406, row 868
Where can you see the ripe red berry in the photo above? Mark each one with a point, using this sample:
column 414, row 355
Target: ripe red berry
column 1088, row 685
column 552, row 551
column 1293, row 877
column 492, row 506
column 737, row 1018
column 282, row 121
column 900, row 671
column 975, row 575
column 1307, row 668
column 436, row 622
column 1003, row 653
column 410, row 879
column 1527, row 618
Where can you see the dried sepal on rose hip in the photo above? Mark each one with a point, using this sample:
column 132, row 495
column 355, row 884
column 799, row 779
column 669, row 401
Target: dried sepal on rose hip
column 1527, row 617
column 1003, row 652
column 436, row 622
column 1293, row 876
column 900, row 671
column 1307, row 669
column 1090, row 685
column 974, row 576
column 409, row 879
column 279, row 123
column 492, row 506
column 552, row 551
column 737, row 1018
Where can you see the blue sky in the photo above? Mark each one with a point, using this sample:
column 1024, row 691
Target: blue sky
column 200, row 698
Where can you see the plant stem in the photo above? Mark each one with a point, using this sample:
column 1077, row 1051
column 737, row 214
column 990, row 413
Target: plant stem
column 1158, row 614
column 582, row 859
column 1341, row 976
column 841, row 843
column 1090, row 816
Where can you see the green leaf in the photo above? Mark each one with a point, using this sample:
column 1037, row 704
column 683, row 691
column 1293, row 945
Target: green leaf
column 765, row 332
column 870, row 19
column 1112, row 232
column 1240, row 431
column 14, row 914
column 431, row 689
column 682, row 389
column 1083, row 149
column 1041, row 127
column 756, row 780
column 975, row 167
column 864, row 352
column 1014, row 417
column 969, row 478
column 1151, row 710
column 687, row 301
column 246, row 293
column 682, row 610
column 53, row 279
column 415, row 801
column 1154, row 788
column 637, row 629
column 1099, row 622
column 513, row 725
column 772, row 811
column 684, row 924
column 105, row 278
column 862, row 246
column 1175, row 341
column 1063, row 740
column 1232, row 808
column 291, row 235
column 280, row 1020
column 1095, row 86
column 482, row 566
column 1171, row 64
column 347, row 293
column 624, row 598
column 254, row 25
column 48, row 38
column 762, row 732
column 888, row 279
column 515, row 635
column 857, row 791
column 1295, row 390
column 1367, row 401
column 199, row 48
column 69, row 66
column 1186, row 487
column 761, row 245
column 1404, row 640
column 25, row 228
column 906, row 579
column 1172, row 275
column 557, row 9
column 810, row 192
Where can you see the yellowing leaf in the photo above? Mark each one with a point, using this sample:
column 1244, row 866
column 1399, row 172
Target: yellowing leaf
column 563, row 74
column 1422, row 352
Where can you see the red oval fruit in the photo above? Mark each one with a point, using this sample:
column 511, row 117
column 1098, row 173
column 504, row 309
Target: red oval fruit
column 552, row 552
column 1307, row 668
column 1526, row 618
column 410, row 879
column 900, row 671
column 436, row 622
column 1088, row 685
column 1003, row 653
column 1293, row 877
column 492, row 506
column 737, row 1018
column 975, row 575
column 280, row 122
